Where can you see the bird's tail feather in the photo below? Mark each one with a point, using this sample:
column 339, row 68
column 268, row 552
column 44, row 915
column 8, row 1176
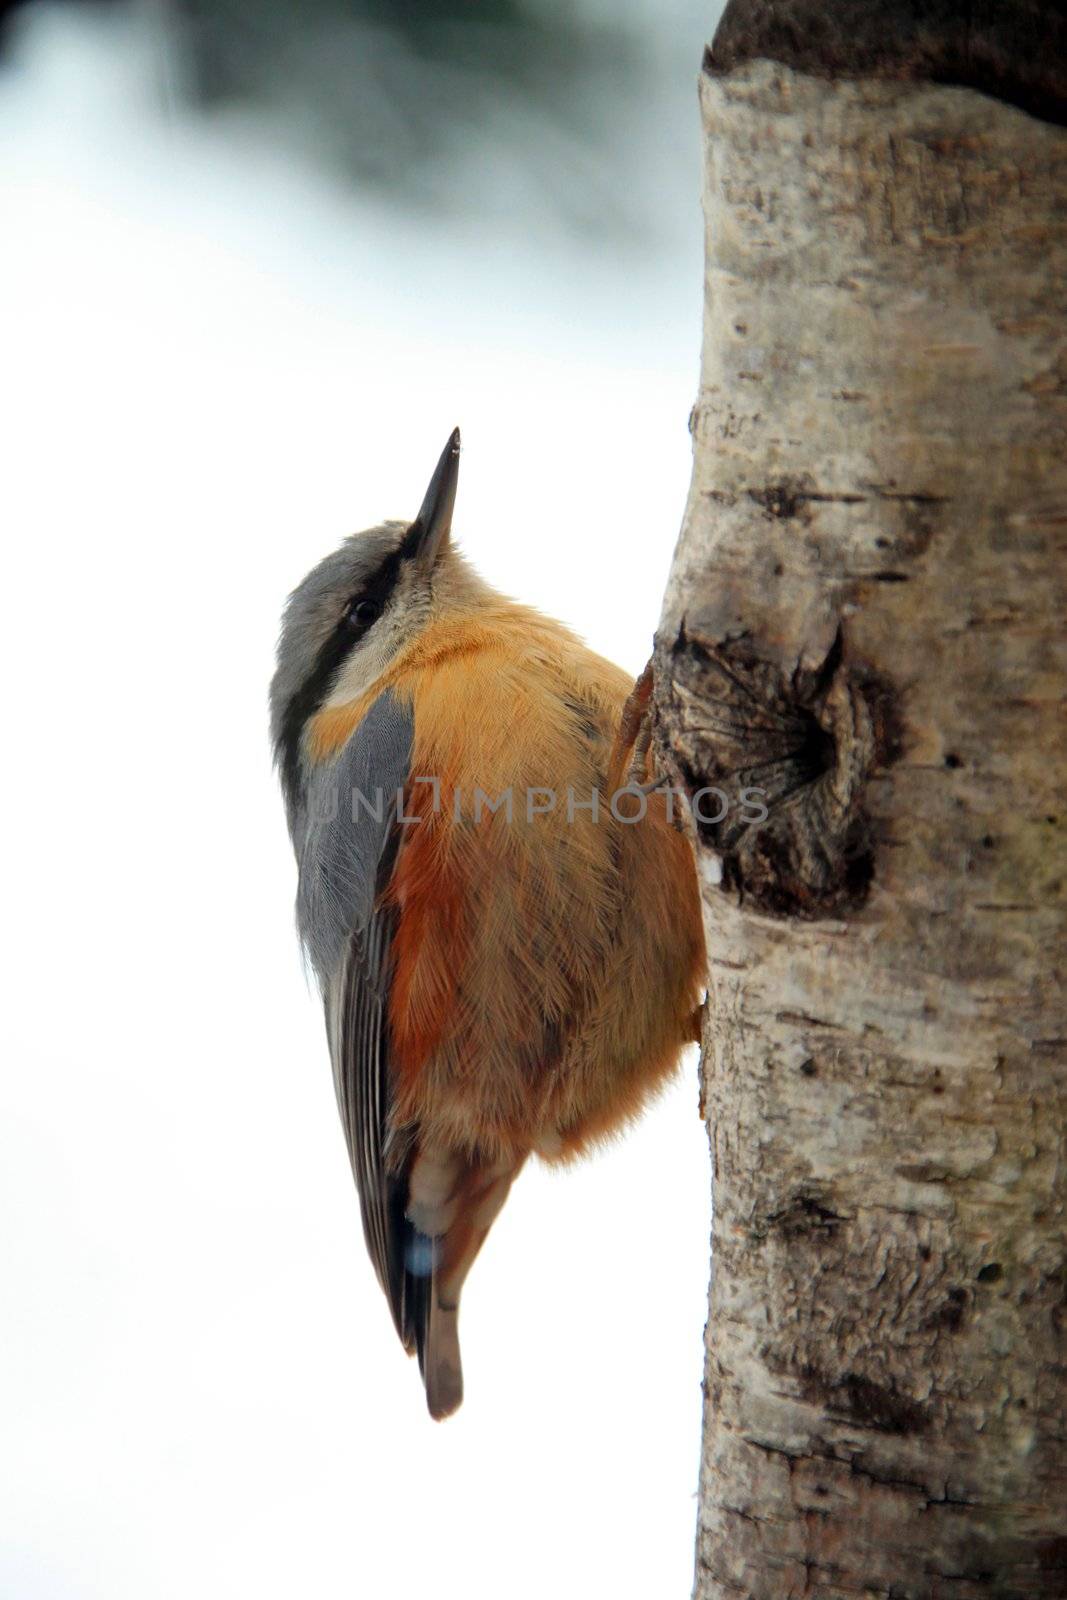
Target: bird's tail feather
column 442, row 1370
column 474, row 1201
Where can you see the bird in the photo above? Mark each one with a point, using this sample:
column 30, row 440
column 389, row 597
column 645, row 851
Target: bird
column 509, row 949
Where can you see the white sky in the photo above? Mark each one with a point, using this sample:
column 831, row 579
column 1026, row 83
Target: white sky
column 215, row 364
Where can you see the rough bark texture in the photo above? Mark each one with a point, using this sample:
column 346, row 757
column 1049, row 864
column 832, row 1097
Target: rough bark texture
column 866, row 619
column 1015, row 49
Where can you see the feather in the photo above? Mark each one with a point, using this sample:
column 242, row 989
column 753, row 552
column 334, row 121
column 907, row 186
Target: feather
column 348, row 845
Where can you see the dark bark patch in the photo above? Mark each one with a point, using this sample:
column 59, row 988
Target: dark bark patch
column 1050, row 1555
column 1015, row 50
column 887, row 723
column 949, row 1314
column 856, row 1398
column 779, row 500
column 791, row 497
column 791, row 756
column 805, row 1216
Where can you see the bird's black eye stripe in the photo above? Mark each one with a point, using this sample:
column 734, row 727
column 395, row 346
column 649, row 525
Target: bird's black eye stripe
column 351, row 627
column 366, row 606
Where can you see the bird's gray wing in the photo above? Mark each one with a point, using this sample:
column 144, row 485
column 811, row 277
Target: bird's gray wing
column 346, row 858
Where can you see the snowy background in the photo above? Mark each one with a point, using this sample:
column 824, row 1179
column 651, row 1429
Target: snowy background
column 220, row 354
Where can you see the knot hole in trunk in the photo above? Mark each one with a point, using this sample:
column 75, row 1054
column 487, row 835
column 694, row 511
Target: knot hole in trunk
column 775, row 768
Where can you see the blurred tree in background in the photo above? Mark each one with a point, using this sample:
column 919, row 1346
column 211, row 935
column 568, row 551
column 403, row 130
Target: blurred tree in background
column 462, row 103
column 581, row 113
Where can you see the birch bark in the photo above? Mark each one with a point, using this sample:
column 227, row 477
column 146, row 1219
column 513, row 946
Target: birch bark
column 866, row 621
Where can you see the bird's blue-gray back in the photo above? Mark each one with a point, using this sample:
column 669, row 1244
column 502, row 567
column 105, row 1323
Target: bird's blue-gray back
column 342, row 831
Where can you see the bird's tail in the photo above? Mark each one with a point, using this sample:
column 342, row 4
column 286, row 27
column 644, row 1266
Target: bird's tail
column 442, row 1370
column 473, row 1204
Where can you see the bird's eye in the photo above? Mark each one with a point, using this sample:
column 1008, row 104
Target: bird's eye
column 361, row 613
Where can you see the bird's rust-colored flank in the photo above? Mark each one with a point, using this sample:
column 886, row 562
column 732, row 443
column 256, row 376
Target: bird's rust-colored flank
column 428, row 948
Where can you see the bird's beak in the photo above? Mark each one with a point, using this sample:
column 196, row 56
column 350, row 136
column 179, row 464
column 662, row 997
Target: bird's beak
column 429, row 532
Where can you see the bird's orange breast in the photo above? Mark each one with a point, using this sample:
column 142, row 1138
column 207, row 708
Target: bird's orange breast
column 532, row 998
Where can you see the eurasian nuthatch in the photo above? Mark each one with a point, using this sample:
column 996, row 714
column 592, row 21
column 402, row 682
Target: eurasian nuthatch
column 509, row 948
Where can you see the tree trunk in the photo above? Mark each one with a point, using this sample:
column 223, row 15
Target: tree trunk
column 865, row 621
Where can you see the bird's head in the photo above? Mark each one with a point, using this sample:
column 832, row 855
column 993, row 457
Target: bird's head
column 360, row 606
